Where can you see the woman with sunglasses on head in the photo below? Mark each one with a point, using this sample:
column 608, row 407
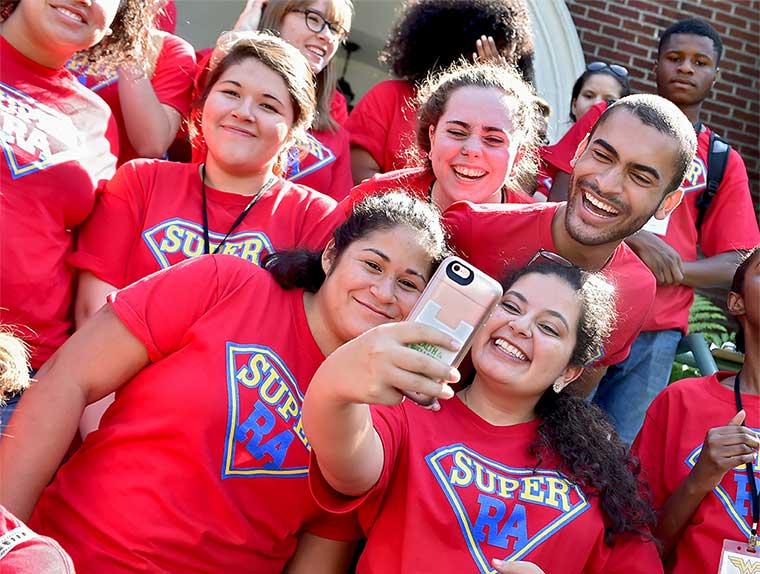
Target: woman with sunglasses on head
column 148, row 99
column 429, row 36
column 59, row 142
column 699, row 447
column 512, row 468
column 476, row 136
column 201, row 463
column 316, row 28
column 256, row 102
column 599, row 84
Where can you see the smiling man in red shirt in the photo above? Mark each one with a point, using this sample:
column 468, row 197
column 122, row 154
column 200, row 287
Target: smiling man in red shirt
column 686, row 69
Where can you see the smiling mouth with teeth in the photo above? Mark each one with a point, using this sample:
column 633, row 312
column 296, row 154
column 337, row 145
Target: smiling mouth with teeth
column 69, row 14
column 469, row 173
column 601, row 207
column 510, row 349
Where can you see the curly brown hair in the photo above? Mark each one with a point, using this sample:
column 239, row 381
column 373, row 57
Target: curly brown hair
column 434, row 94
column 129, row 39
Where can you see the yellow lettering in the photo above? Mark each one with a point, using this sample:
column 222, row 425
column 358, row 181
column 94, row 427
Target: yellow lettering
column 461, row 472
column 230, row 249
column 532, row 491
column 298, row 429
column 507, row 486
column 694, row 170
column 250, row 373
column 252, row 250
column 272, row 377
column 193, row 244
column 480, row 473
column 288, row 408
column 557, row 495
column 173, row 239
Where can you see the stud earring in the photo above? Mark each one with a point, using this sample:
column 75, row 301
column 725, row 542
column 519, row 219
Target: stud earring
column 557, row 387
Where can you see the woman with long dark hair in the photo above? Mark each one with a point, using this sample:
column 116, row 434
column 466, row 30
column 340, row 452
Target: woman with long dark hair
column 200, row 465
column 513, row 468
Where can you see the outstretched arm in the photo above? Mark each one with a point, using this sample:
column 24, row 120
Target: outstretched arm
column 375, row 368
column 95, row 361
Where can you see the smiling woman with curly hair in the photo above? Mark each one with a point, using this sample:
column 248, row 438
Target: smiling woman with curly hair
column 429, row 36
column 61, row 143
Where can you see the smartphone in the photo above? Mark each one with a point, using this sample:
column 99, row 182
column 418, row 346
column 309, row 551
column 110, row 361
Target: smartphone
column 457, row 301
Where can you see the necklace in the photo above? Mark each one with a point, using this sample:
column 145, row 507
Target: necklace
column 206, row 241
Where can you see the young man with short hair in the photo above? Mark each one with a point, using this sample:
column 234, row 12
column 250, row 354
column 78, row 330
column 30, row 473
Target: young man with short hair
column 686, row 69
column 629, row 171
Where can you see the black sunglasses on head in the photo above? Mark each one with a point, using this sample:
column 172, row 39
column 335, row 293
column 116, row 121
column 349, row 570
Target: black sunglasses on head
column 551, row 256
column 617, row 70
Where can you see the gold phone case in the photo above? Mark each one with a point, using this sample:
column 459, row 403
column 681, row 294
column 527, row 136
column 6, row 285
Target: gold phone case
column 457, row 301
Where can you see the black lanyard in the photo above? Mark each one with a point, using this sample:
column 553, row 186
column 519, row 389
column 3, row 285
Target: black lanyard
column 207, row 243
column 754, row 501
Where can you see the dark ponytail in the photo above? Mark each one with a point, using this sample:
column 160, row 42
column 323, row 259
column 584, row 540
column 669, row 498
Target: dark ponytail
column 302, row 269
column 296, row 269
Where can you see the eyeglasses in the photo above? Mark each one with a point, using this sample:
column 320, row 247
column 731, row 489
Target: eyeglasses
column 316, row 22
column 551, row 256
column 619, row 71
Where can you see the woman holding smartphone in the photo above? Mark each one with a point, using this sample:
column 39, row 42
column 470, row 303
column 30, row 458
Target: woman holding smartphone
column 200, row 465
column 513, row 468
column 476, row 137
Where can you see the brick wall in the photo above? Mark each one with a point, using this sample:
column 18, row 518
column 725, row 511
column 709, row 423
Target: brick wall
column 627, row 31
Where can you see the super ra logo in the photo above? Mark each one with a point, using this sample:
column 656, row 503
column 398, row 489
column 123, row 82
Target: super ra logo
column 734, row 491
column 491, row 501
column 264, row 434
column 176, row 239
column 33, row 136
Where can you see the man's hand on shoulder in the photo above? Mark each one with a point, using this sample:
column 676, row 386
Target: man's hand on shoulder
column 663, row 261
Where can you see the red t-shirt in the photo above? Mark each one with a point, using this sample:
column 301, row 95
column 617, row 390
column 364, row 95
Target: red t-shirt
column 59, row 140
column 200, row 464
column 501, row 238
column 415, row 181
column 729, row 224
column 172, row 82
column 460, row 492
column 22, row 551
column 669, row 445
column 322, row 163
column 384, row 122
column 339, row 108
column 150, row 216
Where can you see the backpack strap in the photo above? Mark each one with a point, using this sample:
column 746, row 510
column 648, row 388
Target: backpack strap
column 717, row 159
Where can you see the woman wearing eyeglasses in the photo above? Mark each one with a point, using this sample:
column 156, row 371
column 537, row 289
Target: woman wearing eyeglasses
column 598, row 84
column 316, row 27
column 512, row 468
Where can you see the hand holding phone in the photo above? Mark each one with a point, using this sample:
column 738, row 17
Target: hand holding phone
column 457, row 301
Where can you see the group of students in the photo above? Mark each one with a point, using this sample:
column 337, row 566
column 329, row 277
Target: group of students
column 252, row 406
